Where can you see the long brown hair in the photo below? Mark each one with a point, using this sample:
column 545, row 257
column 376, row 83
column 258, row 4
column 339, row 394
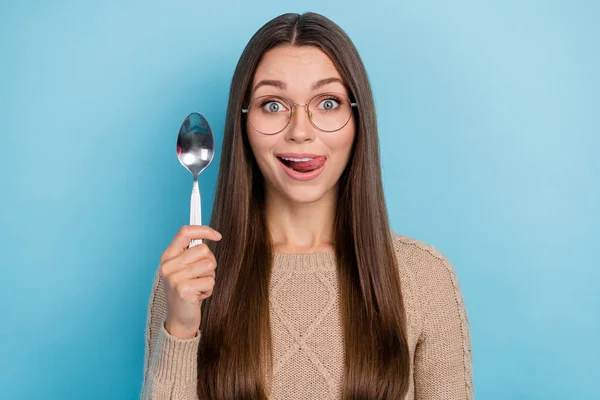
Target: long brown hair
column 235, row 353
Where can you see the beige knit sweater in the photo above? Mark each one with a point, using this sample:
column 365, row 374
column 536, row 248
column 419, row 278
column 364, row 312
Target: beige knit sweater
column 307, row 332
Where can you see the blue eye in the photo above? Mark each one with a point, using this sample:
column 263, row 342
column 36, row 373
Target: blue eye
column 329, row 104
column 272, row 106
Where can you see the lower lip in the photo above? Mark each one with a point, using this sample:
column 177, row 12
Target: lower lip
column 302, row 176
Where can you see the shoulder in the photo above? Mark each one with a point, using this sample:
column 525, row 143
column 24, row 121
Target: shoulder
column 430, row 272
column 407, row 246
column 422, row 260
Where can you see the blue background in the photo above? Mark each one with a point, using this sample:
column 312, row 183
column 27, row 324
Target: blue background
column 489, row 121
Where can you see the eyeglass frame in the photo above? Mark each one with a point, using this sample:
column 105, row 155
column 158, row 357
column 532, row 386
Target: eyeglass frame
column 308, row 112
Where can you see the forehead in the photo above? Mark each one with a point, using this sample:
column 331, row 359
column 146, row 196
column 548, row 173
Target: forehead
column 296, row 66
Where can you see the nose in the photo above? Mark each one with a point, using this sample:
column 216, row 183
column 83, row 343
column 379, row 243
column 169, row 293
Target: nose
column 300, row 129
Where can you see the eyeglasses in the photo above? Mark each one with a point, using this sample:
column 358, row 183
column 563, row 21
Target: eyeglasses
column 328, row 112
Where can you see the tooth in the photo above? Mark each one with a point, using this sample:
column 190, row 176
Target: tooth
column 298, row 159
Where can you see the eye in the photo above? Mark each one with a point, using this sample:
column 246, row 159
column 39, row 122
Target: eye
column 329, row 104
column 272, row 106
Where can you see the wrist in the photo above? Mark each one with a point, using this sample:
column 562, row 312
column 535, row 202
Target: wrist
column 180, row 332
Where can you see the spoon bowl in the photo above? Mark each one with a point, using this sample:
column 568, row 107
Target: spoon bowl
column 195, row 144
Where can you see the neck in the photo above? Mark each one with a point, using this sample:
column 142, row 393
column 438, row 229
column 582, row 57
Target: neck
column 301, row 227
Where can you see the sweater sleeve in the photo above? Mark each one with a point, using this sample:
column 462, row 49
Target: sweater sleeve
column 443, row 360
column 170, row 364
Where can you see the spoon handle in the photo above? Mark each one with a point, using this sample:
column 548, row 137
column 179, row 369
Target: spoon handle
column 195, row 211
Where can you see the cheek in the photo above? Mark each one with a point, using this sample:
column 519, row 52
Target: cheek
column 341, row 142
column 260, row 144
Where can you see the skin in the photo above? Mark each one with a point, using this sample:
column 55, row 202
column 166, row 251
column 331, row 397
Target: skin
column 188, row 276
column 300, row 214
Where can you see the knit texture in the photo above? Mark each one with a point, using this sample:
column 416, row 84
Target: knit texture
column 308, row 352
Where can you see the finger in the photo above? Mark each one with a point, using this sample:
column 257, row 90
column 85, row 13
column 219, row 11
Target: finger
column 187, row 257
column 184, row 236
column 193, row 288
column 197, row 253
column 199, row 269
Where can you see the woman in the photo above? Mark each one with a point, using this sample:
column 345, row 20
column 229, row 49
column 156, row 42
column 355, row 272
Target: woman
column 307, row 294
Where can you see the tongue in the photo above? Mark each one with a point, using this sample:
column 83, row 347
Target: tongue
column 307, row 166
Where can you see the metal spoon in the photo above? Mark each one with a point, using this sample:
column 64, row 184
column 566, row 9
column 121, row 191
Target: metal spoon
column 195, row 151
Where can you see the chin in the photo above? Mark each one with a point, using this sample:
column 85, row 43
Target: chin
column 302, row 195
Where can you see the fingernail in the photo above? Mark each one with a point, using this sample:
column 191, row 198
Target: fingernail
column 219, row 235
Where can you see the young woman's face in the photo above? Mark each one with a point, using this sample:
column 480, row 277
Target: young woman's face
column 301, row 162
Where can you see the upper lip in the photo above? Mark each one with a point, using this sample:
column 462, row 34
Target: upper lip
column 297, row 155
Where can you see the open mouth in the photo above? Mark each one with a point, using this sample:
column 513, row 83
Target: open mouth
column 303, row 164
column 302, row 168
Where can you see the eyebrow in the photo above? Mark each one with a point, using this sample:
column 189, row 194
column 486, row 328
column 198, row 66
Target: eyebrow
column 326, row 81
column 269, row 82
column 281, row 85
